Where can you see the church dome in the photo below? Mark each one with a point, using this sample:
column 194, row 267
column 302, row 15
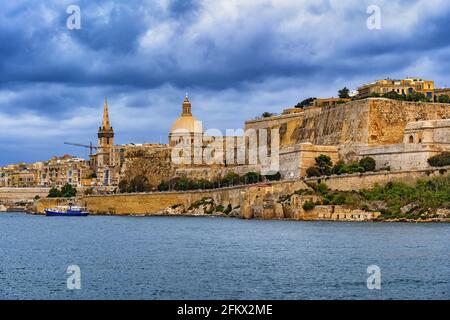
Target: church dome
column 186, row 123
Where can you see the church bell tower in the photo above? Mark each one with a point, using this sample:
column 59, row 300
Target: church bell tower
column 105, row 139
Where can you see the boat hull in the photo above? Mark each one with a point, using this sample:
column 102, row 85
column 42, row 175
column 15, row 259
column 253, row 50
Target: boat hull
column 69, row 213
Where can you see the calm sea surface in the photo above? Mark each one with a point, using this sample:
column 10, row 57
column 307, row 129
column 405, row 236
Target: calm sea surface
column 219, row 258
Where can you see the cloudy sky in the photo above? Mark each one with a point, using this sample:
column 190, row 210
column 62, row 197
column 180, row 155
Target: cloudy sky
column 236, row 58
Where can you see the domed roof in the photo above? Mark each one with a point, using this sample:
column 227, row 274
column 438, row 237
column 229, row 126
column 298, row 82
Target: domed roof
column 186, row 122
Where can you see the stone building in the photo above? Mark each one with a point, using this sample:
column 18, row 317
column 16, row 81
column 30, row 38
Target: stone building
column 109, row 158
column 55, row 172
column 405, row 86
column 19, row 175
column 441, row 92
column 61, row 170
column 422, row 140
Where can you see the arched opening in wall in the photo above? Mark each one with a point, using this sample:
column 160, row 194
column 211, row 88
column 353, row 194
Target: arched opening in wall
column 420, row 140
column 411, row 139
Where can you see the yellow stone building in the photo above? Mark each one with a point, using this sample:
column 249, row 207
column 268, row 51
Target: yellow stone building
column 405, row 86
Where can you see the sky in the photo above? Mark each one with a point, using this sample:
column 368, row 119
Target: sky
column 235, row 58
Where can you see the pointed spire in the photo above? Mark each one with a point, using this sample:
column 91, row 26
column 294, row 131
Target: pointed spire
column 105, row 123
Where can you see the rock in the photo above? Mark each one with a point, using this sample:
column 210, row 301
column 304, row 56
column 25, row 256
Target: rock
column 236, row 212
column 408, row 208
column 378, row 205
column 443, row 213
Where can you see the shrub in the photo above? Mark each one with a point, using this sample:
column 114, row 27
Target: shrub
column 322, row 188
column 138, row 184
column 417, row 96
column 123, row 186
column 440, row 160
column 313, row 172
column 163, row 186
column 354, row 167
column 305, row 103
column 267, row 114
column 444, row 99
column 273, row 177
column 368, row 163
column 308, row 205
column 68, row 191
column 230, row 179
column 338, row 168
column 252, row 177
column 393, row 95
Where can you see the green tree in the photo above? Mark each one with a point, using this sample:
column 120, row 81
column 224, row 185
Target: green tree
column 139, row 184
column 444, row 99
column 230, row 179
column 338, row 168
column 324, row 164
column 123, row 186
column 68, row 191
column 322, row 188
column 163, row 186
column 252, row 177
column 54, row 193
column 368, row 163
column 273, row 177
column 394, row 95
column 354, row 167
column 305, row 103
column 344, row 93
column 308, row 205
column 313, row 172
column 440, row 160
column 267, row 114
column 417, row 97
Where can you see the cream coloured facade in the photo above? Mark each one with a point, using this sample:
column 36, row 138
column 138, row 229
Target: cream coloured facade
column 422, row 140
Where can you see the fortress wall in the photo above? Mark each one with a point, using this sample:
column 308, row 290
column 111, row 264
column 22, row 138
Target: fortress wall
column 353, row 125
column 245, row 197
column 369, row 180
column 150, row 203
column 22, row 194
column 388, row 118
column 322, row 126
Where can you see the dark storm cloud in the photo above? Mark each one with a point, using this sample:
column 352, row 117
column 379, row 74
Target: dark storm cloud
column 237, row 58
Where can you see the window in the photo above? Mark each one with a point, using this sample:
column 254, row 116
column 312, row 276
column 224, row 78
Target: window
column 411, row 139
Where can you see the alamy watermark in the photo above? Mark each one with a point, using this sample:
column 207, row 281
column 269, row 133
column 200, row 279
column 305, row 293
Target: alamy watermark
column 236, row 147
column 74, row 279
column 374, row 20
column 73, row 21
column 374, row 280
